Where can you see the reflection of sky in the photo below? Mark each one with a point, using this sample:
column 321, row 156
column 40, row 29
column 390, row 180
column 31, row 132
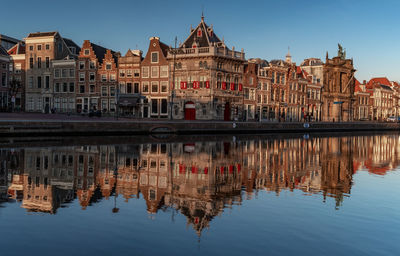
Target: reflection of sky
column 367, row 223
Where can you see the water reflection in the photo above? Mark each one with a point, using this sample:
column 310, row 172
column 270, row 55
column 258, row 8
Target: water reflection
column 197, row 179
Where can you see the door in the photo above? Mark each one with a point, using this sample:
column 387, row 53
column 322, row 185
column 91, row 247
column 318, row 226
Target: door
column 227, row 112
column 190, row 110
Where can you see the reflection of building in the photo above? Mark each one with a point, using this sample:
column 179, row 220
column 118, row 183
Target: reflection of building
column 197, row 179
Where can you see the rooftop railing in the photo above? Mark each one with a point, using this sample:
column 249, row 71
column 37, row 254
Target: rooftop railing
column 206, row 51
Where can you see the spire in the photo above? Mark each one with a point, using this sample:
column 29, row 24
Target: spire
column 202, row 13
column 327, row 56
column 288, row 56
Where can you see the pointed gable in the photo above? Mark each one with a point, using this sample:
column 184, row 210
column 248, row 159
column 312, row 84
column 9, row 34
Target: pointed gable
column 201, row 36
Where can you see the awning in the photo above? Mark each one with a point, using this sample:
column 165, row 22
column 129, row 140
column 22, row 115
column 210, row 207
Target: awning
column 128, row 101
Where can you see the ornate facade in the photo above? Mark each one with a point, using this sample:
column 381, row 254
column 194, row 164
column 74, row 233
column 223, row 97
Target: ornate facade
column 338, row 92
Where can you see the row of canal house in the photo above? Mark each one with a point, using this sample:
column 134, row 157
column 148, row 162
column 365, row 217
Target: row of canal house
column 201, row 78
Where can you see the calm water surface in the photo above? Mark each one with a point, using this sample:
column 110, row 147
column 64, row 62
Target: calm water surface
column 304, row 195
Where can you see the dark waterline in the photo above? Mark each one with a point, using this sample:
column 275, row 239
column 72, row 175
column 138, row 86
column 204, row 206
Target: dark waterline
column 262, row 195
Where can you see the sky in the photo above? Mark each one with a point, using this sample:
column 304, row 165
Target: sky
column 368, row 30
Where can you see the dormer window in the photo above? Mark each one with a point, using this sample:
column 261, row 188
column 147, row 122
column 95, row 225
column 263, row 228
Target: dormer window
column 199, row 33
column 87, row 52
column 108, row 66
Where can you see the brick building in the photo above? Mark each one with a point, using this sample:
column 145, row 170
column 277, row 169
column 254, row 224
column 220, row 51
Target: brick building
column 17, row 74
column 129, row 79
column 89, row 77
column 4, row 79
column 207, row 78
column 41, row 49
column 108, row 84
column 155, row 80
column 361, row 103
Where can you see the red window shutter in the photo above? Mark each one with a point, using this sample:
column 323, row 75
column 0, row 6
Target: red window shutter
column 184, row 85
column 223, row 85
column 206, row 170
column 207, row 84
column 240, row 87
column 221, row 169
column 232, row 86
column 230, row 168
column 194, row 169
column 239, row 167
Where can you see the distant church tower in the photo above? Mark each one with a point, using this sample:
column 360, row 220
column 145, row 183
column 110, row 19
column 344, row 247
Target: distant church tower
column 288, row 56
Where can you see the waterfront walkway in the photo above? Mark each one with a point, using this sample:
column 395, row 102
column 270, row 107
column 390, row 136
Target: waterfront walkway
column 30, row 124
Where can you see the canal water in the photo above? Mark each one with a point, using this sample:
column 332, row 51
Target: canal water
column 230, row 195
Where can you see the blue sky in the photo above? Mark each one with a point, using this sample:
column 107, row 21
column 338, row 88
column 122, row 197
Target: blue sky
column 369, row 30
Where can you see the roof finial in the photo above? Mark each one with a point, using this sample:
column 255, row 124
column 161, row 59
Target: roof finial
column 288, row 56
column 202, row 12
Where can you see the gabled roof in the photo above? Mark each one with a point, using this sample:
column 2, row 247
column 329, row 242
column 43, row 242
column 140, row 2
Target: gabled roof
column 357, row 86
column 100, row 52
column 19, row 48
column 205, row 38
column 379, row 80
column 164, row 48
column 71, row 43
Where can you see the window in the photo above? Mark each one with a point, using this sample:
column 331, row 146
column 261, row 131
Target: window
column 145, row 87
column 112, row 91
column 31, row 62
column 154, row 106
column 164, row 71
column 56, row 73
column 64, row 72
column 112, row 106
column 129, row 73
column 145, row 72
column 71, row 87
column 47, row 82
column 154, row 86
column 3, row 79
column 39, row 62
column 81, row 77
column 81, row 88
column 47, row 47
column 164, row 106
column 30, row 82
column 57, row 87
column 164, row 86
column 39, row 47
column 121, row 73
column 129, row 87
column 136, row 72
column 104, row 105
column 71, row 72
column 91, row 88
column 136, row 87
column 31, row 48
column 104, row 77
column 92, row 65
column 104, row 91
column 112, row 77
column 65, row 87
column 108, row 66
column 81, row 65
column 122, row 87
column 91, row 76
column 47, row 62
column 154, row 71
column 39, row 82
column 87, row 52
column 154, row 57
